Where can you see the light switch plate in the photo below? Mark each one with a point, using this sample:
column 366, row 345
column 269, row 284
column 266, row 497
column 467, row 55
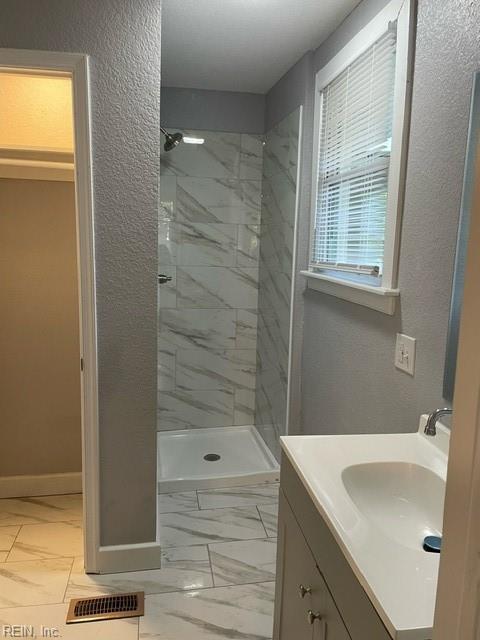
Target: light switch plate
column 405, row 353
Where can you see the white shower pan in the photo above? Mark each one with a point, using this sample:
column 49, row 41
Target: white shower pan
column 191, row 459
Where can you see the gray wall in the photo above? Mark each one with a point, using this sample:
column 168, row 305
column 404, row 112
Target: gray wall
column 123, row 40
column 349, row 382
column 295, row 87
column 289, row 92
column 231, row 111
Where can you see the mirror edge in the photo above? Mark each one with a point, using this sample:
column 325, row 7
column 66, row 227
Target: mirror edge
column 473, row 140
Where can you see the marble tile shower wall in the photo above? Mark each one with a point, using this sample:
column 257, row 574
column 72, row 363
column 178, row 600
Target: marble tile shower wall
column 209, row 244
column 275, row 277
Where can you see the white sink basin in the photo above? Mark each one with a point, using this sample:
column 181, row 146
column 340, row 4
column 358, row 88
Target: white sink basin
column 403, row 500
column 380, row 495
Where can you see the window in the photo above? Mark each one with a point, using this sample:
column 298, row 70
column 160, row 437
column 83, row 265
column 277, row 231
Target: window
column 355, row 143
column 360, row 105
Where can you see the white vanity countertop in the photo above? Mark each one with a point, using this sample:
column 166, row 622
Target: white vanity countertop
column 381, row 538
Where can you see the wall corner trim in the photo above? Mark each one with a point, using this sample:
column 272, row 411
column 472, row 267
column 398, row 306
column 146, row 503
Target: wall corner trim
column 128, row 557
column 381, row 299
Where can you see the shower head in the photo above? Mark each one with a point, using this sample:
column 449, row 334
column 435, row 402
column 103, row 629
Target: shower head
column 171, row 139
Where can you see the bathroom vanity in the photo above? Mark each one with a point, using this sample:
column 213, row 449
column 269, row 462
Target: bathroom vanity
column 353, row 514
column 317, row 594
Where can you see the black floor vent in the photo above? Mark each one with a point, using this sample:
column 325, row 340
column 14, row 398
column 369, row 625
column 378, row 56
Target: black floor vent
column 121, row 605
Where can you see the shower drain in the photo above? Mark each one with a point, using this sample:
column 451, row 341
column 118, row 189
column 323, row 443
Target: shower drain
column 211, row 457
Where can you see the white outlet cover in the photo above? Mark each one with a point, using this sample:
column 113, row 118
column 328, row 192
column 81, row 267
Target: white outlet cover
column 405, row 353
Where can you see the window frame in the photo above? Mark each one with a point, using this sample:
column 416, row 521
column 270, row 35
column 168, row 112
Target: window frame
column 381, row 297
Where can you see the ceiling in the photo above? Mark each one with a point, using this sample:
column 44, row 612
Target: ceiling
column 242, row 45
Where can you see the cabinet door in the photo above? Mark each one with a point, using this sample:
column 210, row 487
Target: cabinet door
column 330, row 625
column 296, row 572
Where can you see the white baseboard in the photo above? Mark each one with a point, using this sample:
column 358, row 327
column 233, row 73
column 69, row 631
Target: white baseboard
column 50, row 484
column 128, row 557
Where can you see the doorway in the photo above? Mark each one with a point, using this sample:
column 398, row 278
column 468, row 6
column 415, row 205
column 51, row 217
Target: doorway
column 49, row 478
column 40, row 395
column 40, row 390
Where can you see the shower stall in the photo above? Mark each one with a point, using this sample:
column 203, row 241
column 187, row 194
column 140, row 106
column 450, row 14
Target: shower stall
column 226, row 242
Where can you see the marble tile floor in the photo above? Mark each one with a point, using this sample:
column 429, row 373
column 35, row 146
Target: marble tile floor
column 216, row 580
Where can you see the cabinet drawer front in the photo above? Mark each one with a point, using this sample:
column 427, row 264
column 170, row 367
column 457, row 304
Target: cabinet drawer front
column 357, row 611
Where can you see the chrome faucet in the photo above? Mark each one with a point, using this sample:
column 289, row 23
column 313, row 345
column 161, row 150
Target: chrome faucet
column 433, row 418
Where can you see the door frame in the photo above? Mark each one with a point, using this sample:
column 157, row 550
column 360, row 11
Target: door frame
column 77, row 67
column 457, row 613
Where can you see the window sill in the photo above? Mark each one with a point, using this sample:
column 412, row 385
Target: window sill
column 379, row 298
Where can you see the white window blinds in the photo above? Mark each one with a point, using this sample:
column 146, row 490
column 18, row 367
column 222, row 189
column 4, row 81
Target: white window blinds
column 354, row 157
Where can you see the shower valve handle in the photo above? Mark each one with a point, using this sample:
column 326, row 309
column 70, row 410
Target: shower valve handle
column 163, row 279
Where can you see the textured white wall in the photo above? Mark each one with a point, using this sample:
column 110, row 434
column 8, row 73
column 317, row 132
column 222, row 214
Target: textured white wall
column 123, row 40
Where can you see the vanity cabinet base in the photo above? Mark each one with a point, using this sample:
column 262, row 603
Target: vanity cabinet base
column 304, row 607
column 318, row 597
